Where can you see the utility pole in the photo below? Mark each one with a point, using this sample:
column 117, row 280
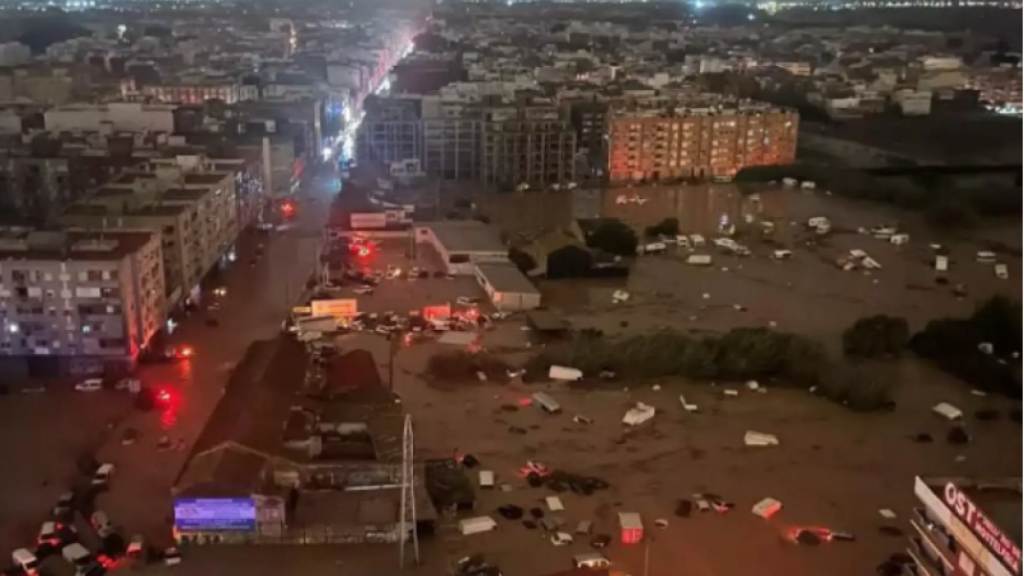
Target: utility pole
column 407, row 524
column 647, row 554
column 394, row 343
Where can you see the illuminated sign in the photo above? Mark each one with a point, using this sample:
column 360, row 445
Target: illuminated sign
column 215, row 514
column 340, row 308
column 980, row 525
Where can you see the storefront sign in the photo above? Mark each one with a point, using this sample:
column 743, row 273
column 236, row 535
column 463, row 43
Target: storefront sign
column 213, row 514
column 340, row 308
column 979, row 524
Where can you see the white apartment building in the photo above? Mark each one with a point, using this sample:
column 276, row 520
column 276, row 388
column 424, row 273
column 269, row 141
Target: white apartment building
column 77, row 302
column 126, row 116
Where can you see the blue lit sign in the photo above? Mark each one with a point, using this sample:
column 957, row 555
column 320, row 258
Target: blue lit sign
column 209, row 514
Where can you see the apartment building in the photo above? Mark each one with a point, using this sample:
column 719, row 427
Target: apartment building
column 966, row 527
column 189, row 204
column 128, row 116
column 77, row 302
column 590, row 121
column 528, row 145
column 490, row 140
column 679, row 140
column 199, row 91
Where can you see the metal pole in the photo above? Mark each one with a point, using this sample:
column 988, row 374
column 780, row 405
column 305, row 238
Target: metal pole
column 647, row 555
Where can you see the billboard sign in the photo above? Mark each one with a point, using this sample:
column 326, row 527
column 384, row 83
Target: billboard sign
column 982, row 527
column 338, row 308
column 215, row 514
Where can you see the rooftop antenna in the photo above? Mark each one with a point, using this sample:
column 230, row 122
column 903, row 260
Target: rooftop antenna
column 407, row 524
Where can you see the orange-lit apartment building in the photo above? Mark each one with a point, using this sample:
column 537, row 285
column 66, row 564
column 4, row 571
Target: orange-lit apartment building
column 678, row 140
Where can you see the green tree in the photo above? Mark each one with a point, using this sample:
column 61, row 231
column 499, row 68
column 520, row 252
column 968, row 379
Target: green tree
column 876, row 336
column 523, row 261
column 667, row 227
column 614, row 237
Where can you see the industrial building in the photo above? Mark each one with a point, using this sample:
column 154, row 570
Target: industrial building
column 966, row 527
column 287, row 460
column 489, row 140
column 185, row 200
column 462, row 245
column 654, row 140
column 507, row 288
column 78, row 302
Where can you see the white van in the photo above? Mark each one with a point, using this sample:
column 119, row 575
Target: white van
column 486, row 480
column 547, row 403
column 941, row 263
column 26, row 560
column 591, row 560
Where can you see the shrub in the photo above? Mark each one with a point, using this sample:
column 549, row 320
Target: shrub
column 876, row 336
column 953, row 345
column 667, row 227
column 851, row 386
column 460, row 366
column 740, row 354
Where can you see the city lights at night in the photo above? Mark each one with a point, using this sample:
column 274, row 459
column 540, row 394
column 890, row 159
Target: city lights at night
column 484, row 288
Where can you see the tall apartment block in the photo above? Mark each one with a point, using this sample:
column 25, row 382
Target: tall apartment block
column 670, row 140
column 966, row 527
column 77, row 302
column 487, row 140
column 187, row 201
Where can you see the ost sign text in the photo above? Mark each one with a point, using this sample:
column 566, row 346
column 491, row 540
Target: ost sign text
column 986, row 531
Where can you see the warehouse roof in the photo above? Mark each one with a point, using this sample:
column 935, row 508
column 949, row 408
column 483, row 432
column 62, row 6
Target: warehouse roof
column 506, row 278
column 467, row 236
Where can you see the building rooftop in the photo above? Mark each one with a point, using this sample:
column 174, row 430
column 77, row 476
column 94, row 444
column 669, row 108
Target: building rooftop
column 507, row 278
column 467, row 236
column 80, row 246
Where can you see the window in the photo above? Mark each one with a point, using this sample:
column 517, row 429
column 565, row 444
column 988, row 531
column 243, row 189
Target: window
column 19, row 275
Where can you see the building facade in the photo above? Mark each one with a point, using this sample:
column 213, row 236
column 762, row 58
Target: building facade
column 192, row 207
column 966, row 527
column 127, row 116
column 683, row 142
column 494, row 142
column 77, row 302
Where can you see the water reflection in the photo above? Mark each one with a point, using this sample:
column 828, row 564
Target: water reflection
column 700, row 208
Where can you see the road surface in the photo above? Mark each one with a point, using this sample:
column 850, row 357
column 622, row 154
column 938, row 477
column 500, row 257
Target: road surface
column 259, row 293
